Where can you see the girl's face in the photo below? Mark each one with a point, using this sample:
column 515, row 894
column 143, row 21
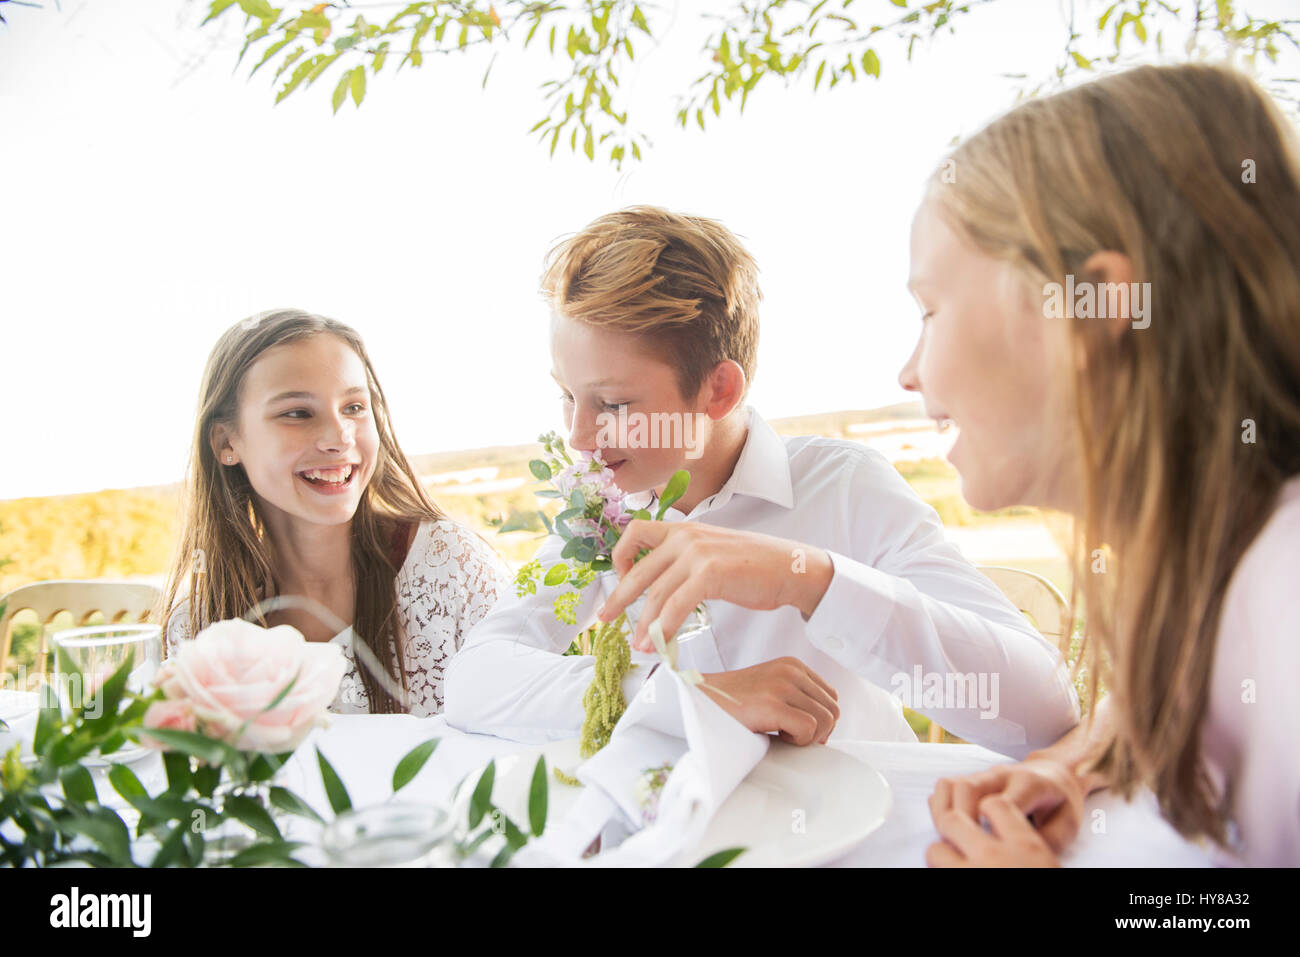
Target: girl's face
column 306, row 434
column 989, row 362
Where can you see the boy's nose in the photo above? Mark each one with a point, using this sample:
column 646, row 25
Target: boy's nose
column 583, row 432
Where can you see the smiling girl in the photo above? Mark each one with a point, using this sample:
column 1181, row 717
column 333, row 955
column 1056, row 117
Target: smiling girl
column 1173, row 437
column 297, row 487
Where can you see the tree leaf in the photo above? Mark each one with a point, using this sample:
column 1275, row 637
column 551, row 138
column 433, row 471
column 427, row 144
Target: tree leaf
column 412, row 762
column 538, row 795
column 340, row 91
column 256, row 8
column 358, row 84
column 334, row 789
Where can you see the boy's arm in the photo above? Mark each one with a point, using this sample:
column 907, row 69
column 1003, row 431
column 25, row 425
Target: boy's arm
column 511, row 677
column 905, row 599
column 908, row 599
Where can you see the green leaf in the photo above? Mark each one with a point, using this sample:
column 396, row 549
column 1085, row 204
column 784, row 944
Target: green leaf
column 47, row 721
column 412, row 762
column 538, row 794
column 102, row 826
column 177, row 767
column 217, row 8
column 206, row 779
column 126, row 783
column 358, row 84
column 557, row 574
column 481, row 800
column 194, row 744
column 674, row 490
column 341, row 91
column 540, row 469
column 257, row 8
column 277, row 852
column 250, row 812
column 722, row 858
column 264, row 766
column 172, row 847
column 334, row 789
column 289, row 802
column 78, row 785
column 871, row 63
column 642, row 514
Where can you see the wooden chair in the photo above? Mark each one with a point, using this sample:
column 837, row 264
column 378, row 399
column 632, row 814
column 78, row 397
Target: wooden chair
column 118, row 602
column 1038, row 600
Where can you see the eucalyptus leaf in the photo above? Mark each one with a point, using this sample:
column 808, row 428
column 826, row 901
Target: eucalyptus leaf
column 412, row 762
column 722, row 858
column 538, row 795
column 481, row 800
column 334, row 789
column 290, row 803
column 248, row 811
column 540, row 469
column 78, row 785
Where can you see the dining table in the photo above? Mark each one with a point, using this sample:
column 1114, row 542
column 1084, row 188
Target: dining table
column 365, row 749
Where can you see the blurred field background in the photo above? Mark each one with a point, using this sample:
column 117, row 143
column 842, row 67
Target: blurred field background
column 128, row 534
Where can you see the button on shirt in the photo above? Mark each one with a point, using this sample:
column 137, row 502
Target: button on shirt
column 904, row 612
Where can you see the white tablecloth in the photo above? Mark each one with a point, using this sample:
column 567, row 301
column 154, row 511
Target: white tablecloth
column 364, row 750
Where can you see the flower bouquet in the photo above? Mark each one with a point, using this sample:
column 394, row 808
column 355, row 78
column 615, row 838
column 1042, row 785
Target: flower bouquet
column 593, row 516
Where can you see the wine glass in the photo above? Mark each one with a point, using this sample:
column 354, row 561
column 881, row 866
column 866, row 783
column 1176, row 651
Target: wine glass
column 87, row 657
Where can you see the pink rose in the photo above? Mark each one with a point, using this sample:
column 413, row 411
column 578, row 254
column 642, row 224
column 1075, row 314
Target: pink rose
column 169, row 716
column 233, row 669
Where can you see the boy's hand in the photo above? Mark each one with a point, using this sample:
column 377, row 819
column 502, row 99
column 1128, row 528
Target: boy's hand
column 785, row 696
column 690, row 562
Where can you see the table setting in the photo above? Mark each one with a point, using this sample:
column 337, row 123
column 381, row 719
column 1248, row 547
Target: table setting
column 679, row 783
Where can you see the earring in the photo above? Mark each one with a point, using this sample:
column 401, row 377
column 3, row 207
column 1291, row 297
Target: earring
column 230, row 460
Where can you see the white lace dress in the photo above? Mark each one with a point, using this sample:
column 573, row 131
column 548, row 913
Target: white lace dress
column 449, row 581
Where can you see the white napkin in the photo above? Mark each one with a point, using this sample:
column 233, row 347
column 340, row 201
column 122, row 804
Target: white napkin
column 18, row 709
column 670, row 721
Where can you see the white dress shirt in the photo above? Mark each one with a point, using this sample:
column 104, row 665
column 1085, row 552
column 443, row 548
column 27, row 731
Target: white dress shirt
column 901, row 597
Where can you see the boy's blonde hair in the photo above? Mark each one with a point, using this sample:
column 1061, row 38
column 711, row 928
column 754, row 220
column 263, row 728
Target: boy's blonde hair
column 683, row 283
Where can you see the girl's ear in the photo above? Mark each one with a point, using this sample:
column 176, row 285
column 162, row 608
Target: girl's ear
column 219, row 439
column 724, row 389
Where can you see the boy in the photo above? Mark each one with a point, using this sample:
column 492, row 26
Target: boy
column 829, row 581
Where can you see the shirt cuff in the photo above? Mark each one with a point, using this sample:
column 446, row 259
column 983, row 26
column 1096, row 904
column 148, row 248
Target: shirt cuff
column 849, row 620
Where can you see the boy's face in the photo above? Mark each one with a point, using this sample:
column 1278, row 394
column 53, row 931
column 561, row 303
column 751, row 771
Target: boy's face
column 607, row 375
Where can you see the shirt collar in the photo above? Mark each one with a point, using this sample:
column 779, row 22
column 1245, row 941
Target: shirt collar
column 762, row 471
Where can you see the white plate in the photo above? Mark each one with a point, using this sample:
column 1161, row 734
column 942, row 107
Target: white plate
column 799, row 807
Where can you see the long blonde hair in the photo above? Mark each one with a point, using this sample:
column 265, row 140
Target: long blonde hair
column 225, row 534
column 1160, row 164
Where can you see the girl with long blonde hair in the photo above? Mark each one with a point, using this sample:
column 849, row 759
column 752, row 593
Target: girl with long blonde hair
column 297, row 487
column 1110, row 282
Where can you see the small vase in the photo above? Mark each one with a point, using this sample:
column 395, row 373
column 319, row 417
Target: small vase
column 696, row 623
column 230, row 836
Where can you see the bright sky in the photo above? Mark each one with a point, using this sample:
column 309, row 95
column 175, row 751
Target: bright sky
column 152, row 197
